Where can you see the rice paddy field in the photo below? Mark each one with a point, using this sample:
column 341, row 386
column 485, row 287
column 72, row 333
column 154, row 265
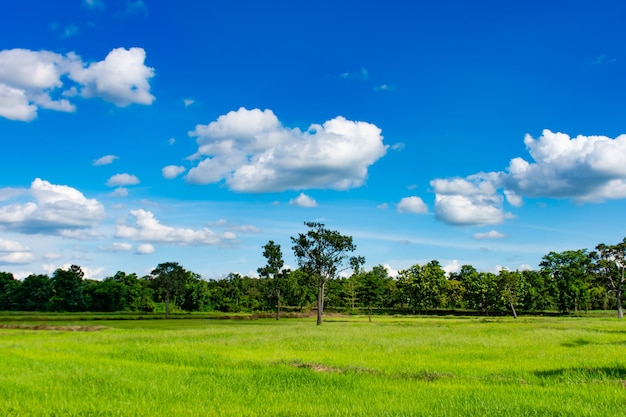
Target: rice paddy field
column 394, row 366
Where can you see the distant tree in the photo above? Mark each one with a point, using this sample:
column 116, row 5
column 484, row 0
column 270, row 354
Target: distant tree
column 480, row 288
column 538, row 294
column 67, row 289
column 512, row 287
column 300, row 289
column 274, row 272
column 168, row 277
column 106, row 295
column 611, row 265
column 195, row 296
column 371, row 287
column 35, row 293
column 423, row 286
column 322, row 253
column 9, row 288
column 570, row 275
column 454, row 293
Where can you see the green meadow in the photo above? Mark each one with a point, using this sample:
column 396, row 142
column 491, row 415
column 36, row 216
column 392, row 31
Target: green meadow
column 394, row 366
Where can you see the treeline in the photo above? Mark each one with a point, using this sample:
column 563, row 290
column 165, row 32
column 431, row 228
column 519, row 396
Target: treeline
column 566, row 282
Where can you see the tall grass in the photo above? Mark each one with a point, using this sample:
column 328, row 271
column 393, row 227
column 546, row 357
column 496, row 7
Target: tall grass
column 347, row 367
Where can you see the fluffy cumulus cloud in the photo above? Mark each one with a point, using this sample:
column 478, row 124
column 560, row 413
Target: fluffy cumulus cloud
column 172, row 171
column 30, row 80
column 120, row 180
column 583, row 168
column 147, row 228
column 12, row 252
column 469, row 201
column 253, row 152
column 412, row 204
column 145, row 249
column 51, row 209
column 303, row 200
column 122, row 78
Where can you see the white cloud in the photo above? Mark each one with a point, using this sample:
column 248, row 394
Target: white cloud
column 382, row 206
column 55, row 209
column 303, row 200
column 392, row 272
column 122, row 78
column 412, row 204
column 172, row 171
column 105, row 160
column 469, row 201
column 171, row 141
column 145, row 249
column 492, row 234
column 584, row 168
column 148, row 229
column 117, row 247
column 15, row 105
column 30, row 80
column 465, row 210
column 451, row 267
column 12, row 252
column 188, row 102
column 252, row 152
column 119, row 192
column 119, row 180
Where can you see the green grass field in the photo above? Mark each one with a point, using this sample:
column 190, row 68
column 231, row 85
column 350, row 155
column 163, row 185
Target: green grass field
column 347, row 367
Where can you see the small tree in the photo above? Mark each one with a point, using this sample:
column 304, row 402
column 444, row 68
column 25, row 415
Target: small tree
column 274, row 272
column 371, row 287
column 169, row 277
column 323, row 253
column 611, row 263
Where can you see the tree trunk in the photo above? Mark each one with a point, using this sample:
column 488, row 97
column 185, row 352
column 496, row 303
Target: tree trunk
column 620, row 311
column 320, row 303
column 167, row 304
column 370, row 313
column 278, row 305
column 513, row 310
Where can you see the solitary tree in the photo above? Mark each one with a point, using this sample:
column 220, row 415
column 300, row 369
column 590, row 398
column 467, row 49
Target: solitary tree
column 611, row 264
column 274, row 272
column 322, row 253
column 169, row 277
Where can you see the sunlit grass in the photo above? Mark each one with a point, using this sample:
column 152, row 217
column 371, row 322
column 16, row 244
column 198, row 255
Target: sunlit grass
column 392, row 367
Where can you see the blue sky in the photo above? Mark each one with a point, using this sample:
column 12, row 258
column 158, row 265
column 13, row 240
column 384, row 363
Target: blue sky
column 139, row 132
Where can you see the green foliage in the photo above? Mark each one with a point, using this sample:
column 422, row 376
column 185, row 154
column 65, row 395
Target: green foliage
column 570, row 275
column 322, row 253
column 422, row 287
column 67, row 290
column 274, row 274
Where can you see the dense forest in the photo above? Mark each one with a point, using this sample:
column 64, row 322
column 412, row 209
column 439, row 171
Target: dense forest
column 566, row 282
